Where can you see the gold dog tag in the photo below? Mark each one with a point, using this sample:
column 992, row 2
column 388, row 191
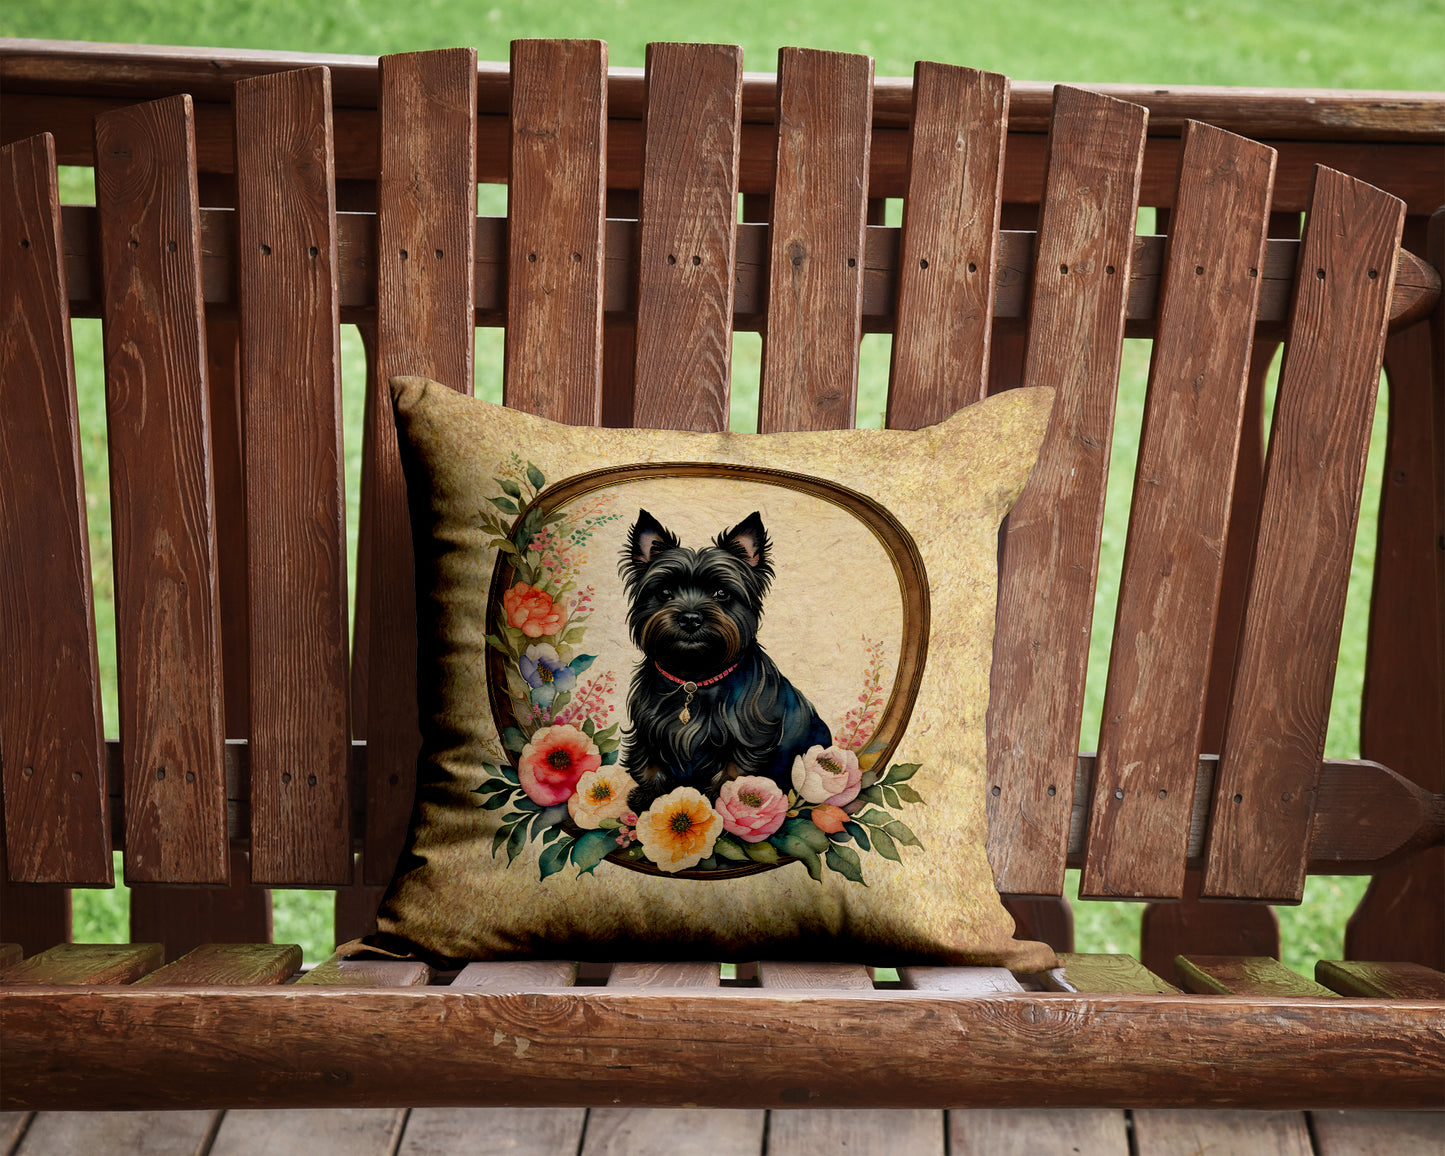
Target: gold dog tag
column 686, row 716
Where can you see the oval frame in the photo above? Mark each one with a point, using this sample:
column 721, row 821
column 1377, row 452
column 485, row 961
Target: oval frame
column 895, row 540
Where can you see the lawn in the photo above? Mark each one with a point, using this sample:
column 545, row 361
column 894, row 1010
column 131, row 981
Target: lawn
column 1397, row 44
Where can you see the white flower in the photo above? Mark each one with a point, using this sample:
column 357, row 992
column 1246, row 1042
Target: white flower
column 600, row 794
column 827, row 775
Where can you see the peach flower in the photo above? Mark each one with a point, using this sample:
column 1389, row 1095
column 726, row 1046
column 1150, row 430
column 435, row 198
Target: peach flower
column 552, row 763
column 679, row 829
column 827, row 775
column 600, row 794
column 829, row 818
column 751, row 807
column 532, row 611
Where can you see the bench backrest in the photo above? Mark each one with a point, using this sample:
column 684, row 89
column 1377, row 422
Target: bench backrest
column 242, row 699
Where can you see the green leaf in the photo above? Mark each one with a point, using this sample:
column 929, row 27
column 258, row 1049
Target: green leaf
column 503, row 544
column 496, row 802
column 503, row 833
column 534, row 475
column 554, row 858
column 883, row 844
column 582, row 662
column 497, row 644
column 804, row 830
column 548, row 818
column 606, row 732
column 845, row 861
column 531, row 523
column 574, row 635
column 901, row 772
column 510, row 487
column 516, row 842
column 551, row 833
column 900, row 831
column 859, row 833
column 874, row 817
column 837, row 836
column 492, row 786
column 589, row 728
column 506, row 505
column 509, row 773
column 591, row 848
column 729, row 848
column 608, row 824
column 708, row 864
column 890, row 796
column 763, row 852
column 873, row 794
column 513, row 739
column 792, row 845
column 908, row 794
column 609, row 758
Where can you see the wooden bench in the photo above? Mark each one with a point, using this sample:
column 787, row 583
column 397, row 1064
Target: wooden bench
column 247, row 203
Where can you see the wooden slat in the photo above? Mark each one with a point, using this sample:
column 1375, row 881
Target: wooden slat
column 1088, row 972
column 56, row 818
column 183, row 918
column 687, row 237
column 517, row 974
column 1030, row 1131
column 426, row 218
column 1275, row 732
column 1191, row 925
column 797, row 976
column 959, row 980
column 1051, row 550
column 1383, row 980
column 816, row 259
column 10, row 953
column 335, row 1132
column 515, row 1131
column 228, row 963
column 33, row 915
column 876, row 1132
column 13, row 1125
column 86, row 963
column 336, row 972
column 121, row 1133
column 675, row 1131
column 1341, row 1133
column 1243, row 975
column 947, row 267
column 1154, row 701
column 168, row 631
column 300, row 746
column 664, row 975
column 555, row 205
column 1172, row 1131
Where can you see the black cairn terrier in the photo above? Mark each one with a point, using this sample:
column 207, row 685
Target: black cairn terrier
column 707, row 703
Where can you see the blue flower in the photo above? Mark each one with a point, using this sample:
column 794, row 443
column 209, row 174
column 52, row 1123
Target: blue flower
column 545, row 673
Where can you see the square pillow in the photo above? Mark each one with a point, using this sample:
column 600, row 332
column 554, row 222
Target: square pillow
column 712, row 696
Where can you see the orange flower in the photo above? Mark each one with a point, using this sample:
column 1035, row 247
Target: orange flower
column 532, row 611
column 679, row 829
column 829, row 818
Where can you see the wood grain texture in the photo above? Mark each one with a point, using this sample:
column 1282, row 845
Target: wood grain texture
column 1342, row 1133
column 57, row 824
column 1400, row 914
column 292, row 1046
column 10, row 953
column 1169, row 1132
column 183, row 918
column 517, row 974
column 675, row 1131
column 469, row 1131
column 555, row 206
column 664, row 975
column 336, row 972
column 1275, row 731
column 791, row 975
column 1154, row 700
column 167, row 617
column 947, row 267
column 1383, row 980
column 34, row 915
column 295, row 499
column 959, row 980
column 70, row 964
column 687, row 237
column 13, row 1125
column 426, row 219
column 879, row 1132
column 336, row 1132
column 1051, row 549
column 228, row 963
column 121, row 1133
column 1243, row 975
column 1030, row 1131
column 1191, row 926
column 1089, row 972
column 816, row 258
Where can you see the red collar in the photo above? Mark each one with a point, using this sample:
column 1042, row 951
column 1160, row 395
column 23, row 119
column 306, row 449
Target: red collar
column 700, row 682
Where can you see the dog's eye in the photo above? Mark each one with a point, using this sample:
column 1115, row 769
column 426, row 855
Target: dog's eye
column 664, row 593
column 719, row 595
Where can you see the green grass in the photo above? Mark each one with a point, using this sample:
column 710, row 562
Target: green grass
column 1316, row 43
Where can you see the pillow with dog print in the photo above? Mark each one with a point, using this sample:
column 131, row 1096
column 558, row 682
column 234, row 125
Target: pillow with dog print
column 711, row 696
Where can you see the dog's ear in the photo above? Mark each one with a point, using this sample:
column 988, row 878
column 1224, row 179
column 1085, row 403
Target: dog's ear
column 749, row 541
column 648, row 539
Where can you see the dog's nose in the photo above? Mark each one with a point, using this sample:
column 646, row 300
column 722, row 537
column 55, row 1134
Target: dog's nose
column 689, row 620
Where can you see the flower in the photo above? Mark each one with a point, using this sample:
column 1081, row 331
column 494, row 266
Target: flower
column 679, row 829
column 829, row 818
column 545, row 673
column 627, row 833
column 600, row 794
column 751, row 807
column 827, row 775
column 532, row 611
column 553, row 762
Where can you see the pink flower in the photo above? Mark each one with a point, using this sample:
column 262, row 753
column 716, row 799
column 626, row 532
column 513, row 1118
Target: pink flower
column 553, row 761
column 752, row 807
column 532, row 611
column 827, row 775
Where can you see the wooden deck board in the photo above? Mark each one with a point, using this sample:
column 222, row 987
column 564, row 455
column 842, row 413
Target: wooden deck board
column 1027, row 1131
column 883, row 1132
column 315, row 1132
column 1173, row 1131
column 120, row 1133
